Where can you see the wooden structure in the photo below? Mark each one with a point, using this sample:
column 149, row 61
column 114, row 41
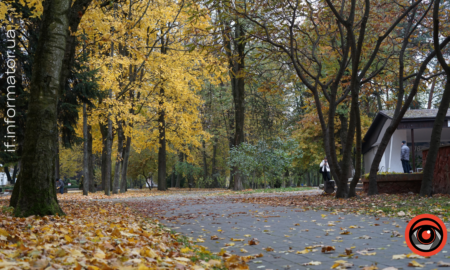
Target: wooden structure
column 396, row 183
column 414, row 128
column 441, row 177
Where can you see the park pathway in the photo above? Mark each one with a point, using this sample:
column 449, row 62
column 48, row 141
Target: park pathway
column 283, row 231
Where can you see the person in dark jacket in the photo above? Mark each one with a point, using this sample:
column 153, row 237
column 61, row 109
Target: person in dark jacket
column 58, row 186
column 404, row 156
column 325, row 170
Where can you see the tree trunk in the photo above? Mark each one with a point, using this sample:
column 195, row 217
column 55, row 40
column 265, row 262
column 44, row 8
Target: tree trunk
column 6, row 170
column 343, row 133
column 162, row 144
column 215, row 183
column 239, row 96
column 205, row 165
column 104, row 132
column 123, row 184
column 426, row 188
column 117, row 172
column 172, row 179
column 37, row 190
column 180, row 156
column 287, row 177
column 15, row 193
column 162, row 135
column 430, row 96
column 86, row 158
column 91, row 161
column 433, row 84
column 435, row 140
column 109, row 142
column 191, row 179
column 356, row 177
column 57, row 165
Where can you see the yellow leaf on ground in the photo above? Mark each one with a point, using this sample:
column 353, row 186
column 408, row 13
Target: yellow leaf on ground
column 98, row 253
column 214, row 263
column 237, row 240
column 68, row 238
column 413, row 263
column 3, row 232
column 182, row 259
column 414, row 256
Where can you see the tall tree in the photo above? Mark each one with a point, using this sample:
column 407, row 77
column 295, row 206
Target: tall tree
column 435, row 140
column 346, row 31
column 162, row 130
column 86, row 157
column 37, row 192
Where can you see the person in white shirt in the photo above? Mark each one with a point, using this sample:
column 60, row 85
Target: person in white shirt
column 325, row 170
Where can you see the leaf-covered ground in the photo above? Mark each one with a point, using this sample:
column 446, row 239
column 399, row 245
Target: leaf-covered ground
column 138, row 193
column 106, row 234
column 267, row 190
column 292, row 231
column 390, row 205
column 99, row 235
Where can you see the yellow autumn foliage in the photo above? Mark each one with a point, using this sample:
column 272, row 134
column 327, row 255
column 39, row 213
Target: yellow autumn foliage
column 125, row 43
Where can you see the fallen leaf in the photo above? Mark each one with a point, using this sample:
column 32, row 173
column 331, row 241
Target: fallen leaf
column 398, row 257
column 415, row 264
column 313, row 263
column 253, row 242
column 443, row 264
column 327, row 249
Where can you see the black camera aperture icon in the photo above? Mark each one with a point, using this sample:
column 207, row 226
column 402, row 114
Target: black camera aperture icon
column 426, row 235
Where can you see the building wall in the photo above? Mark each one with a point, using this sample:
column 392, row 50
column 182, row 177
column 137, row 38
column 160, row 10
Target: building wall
column 397, row 138
column 368, row 158
column 395, row 165
column 3, row 179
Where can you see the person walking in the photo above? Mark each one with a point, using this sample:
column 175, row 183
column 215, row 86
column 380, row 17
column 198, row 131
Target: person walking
column 60, row 184
column 404, row 156
column 325, row 170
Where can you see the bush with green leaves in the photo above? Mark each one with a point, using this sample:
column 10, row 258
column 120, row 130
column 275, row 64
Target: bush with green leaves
column 265, row 162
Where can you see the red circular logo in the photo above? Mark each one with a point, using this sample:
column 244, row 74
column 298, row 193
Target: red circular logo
column 426, row 235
